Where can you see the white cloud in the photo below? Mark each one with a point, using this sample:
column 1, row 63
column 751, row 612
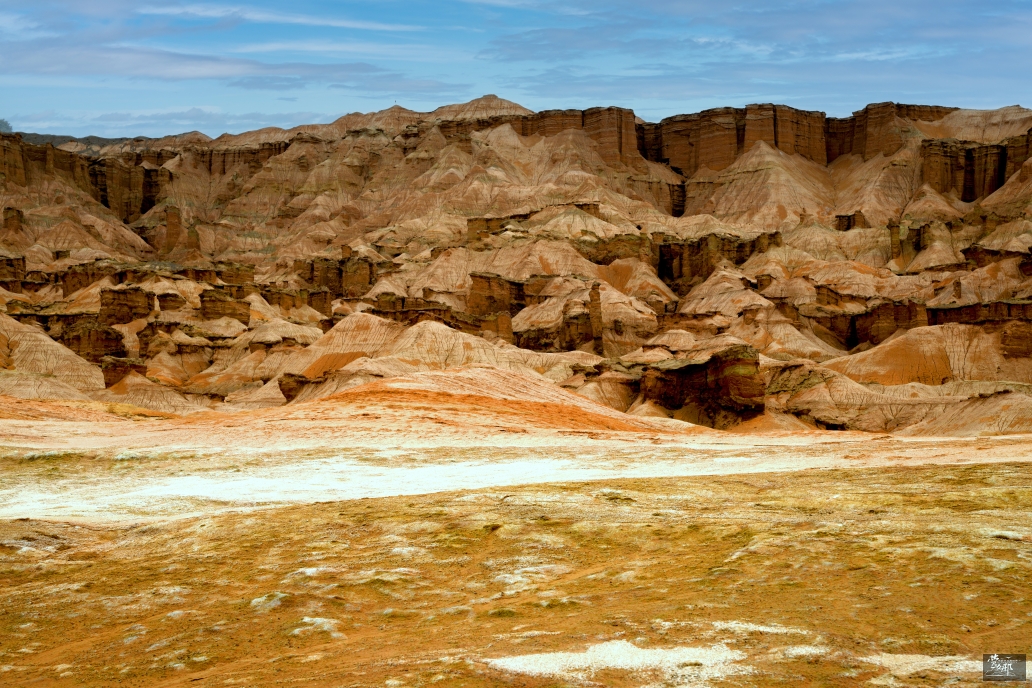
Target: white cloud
column 266, row 17
column 161, row 122
column 62, row 58
column 422, row 52
column 20, row 26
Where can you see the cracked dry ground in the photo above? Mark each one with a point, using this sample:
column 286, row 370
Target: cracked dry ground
column 888, row 576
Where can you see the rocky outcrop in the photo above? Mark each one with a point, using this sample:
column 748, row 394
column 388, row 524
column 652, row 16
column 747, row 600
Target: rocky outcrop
column 491, row 293
column 966, row 169
column 82, row 275
column 874, row 129
column 358, row 276
column 612, row 128
column 677, row 250
column 885, row 319
column 116, row 369
column 979, row 313
column 123, row 305
column 971, row 170
column 684, row 262
column 24, row 164
column 129, row 187
column 480, row 228
column 411, row 311
column 321, row 272
column 716, row 383
column 856, row 220
column 27, row 349
column 572, row 331
column 13, row 220
column 93, row 340
column 217, row 303
column 291, row 385
column 715, row 138
column 173, row 229
column 12, row 268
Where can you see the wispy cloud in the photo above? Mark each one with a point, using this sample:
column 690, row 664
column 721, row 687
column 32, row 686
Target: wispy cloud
column 211, row 120
column 660, row 57
column 394, row 51
column 57, row 57
column 269, row 17
column 20, row 26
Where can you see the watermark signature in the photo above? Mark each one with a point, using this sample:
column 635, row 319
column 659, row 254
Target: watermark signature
column 1001, row 667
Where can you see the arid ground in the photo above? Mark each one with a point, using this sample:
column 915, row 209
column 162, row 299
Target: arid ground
column 212, row 551
column 488, row 396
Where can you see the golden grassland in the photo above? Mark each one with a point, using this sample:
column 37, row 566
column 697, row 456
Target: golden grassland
column 809, row 578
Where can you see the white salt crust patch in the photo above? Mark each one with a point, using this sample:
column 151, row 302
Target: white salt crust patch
column 687, row 667
column 797, row 651
column 315, row 623
column 267, row 602
column 904, row 665
column 304, row 481
column 215, row 479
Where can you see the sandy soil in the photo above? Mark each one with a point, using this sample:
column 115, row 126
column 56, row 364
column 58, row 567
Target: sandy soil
column 895, row 576
column 116, row 469
column 387, row 542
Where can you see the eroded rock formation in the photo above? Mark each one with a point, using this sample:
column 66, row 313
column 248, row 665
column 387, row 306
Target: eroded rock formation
column 704, row 268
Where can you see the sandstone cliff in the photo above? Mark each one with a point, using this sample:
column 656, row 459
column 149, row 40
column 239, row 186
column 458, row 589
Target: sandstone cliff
column 703, row 268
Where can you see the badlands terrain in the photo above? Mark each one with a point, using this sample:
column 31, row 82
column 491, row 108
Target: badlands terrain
column 484, row 396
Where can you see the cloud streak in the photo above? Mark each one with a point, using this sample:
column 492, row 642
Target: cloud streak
column 54, row 57
column 660, row 57
column 270, row 17
column 163, row 122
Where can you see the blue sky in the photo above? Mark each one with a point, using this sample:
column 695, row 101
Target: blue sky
column 137, row 67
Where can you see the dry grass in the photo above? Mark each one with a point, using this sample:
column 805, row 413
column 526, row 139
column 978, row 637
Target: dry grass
column 810, row 576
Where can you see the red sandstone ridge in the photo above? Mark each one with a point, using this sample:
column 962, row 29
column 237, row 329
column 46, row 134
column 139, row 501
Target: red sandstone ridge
column 710, row 267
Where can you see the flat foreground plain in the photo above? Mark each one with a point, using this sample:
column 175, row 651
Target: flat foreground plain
column 897, row 576
column 768, row 560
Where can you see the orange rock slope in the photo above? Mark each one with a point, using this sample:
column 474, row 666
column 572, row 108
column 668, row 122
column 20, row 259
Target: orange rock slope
column 757, row 267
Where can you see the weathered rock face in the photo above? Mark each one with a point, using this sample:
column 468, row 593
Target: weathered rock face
column 490, row 293
column 856, row 220
column 13, row 220
column 12, row 268
column 235, row 273
column 321, row 272
column 675, row 250
column 715, row 138
column 684, row 262
column 24, row 164
column 119, row 306
column 116, row 369
column 173, row 229
column 93, row 340
column 216, row 303
column 979, row 313
column 291, row 385
column 1016, row 340
column 80, row 276
column 885, row 319
column 612, row 128
column 874, row 129
column 718, row 384
column 968, row 170
column 127, row 186
column 358, row 275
